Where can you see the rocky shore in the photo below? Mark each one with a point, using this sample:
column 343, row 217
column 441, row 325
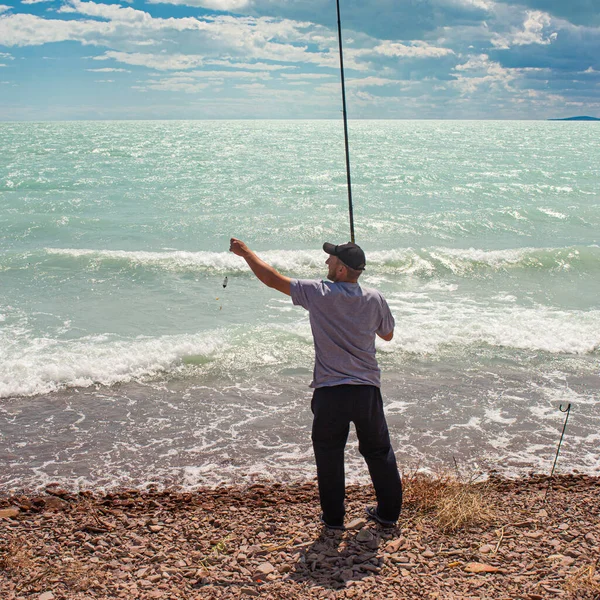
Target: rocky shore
column 522, row 540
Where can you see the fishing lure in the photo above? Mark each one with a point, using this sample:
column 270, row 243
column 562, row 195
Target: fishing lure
column 225, row 282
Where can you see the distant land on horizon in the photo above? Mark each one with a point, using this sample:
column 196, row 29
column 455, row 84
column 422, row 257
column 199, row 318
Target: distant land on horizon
column 576, row 119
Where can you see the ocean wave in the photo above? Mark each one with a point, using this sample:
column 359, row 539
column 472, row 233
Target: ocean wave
column 445, row 328
column 48, row 365
column 265, row 352
column 428, row 262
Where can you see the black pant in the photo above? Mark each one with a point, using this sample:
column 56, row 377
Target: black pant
column 333, row 409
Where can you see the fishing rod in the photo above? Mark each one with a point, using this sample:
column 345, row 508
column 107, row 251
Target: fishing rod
column 345, row 124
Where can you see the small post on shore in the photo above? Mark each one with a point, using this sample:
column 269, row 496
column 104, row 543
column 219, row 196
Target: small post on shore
column 562, row 435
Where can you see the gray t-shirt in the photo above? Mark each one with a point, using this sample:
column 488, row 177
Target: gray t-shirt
column 344, row 319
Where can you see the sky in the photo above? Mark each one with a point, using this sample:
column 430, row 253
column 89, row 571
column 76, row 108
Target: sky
column 279, row 59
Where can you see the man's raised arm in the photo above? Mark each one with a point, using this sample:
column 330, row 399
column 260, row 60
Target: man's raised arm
column 266, row 273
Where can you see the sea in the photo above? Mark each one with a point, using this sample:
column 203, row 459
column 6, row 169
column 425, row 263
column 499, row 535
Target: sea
column 137, row 351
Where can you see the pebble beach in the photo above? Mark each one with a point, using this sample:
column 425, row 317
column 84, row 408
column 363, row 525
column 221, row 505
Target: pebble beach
column 538, row 539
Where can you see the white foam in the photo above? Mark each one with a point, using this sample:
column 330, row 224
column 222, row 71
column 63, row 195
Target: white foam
column 407, row 261
column 565, row 395
column 553, row 213
column 472, row 423
column 215, row 261
column 428, row 327
column 495, row 415
column 48, row 365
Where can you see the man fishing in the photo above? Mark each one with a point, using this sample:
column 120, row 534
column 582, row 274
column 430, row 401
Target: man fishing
column 344, row 319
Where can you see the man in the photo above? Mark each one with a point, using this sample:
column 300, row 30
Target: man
column 344, row 319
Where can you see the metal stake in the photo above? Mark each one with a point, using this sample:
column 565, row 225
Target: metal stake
column 562, row 435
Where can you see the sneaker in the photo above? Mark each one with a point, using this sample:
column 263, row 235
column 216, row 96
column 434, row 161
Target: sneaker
column 336, row 527
column 374, row 515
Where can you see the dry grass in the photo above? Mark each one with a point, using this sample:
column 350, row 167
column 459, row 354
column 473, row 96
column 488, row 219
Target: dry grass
column 455, row 504
column 585, row 584
column 13, row 557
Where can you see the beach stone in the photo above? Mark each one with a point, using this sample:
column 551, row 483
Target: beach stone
column 400, row 558
column 46, row 596
column 356, row 524
column 364, row 535
column 265, row 568
column 486, row 549
column 373, row 544
column 394, row 545
column 54, row 503
column 7, row 513
column 248, row 591
column 428, row 553
column 480, row 568
column 369, row 567
column 360, row 558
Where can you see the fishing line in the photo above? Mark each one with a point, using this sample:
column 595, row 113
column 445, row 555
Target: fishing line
column 345, row 124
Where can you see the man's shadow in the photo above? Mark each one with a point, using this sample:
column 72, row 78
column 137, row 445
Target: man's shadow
column 338, row 557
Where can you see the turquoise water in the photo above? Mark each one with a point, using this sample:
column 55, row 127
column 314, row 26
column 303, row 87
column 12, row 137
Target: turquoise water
column 482, row 235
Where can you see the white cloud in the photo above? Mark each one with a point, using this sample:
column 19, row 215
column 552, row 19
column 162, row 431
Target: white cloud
column 357, row 83
column 532, row 32
column 4, row 8
column 481, row 72
column 5, row 56
column 370, row 81
column 112, row 12
column 415, row 50
column 251, row 86
column 104, row 81
column 258, row 66
column 188, row 81
column 220, row 75
column 108, row 70
column 174, row 85
column 34, row 1
column 475, row 63
column 30, row 30
column 254, row 39
column 222, row 5
column 481, row 4
column 160, row 62
column 307, row 75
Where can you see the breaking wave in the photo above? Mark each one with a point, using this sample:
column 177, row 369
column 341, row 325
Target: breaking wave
column 428, row 262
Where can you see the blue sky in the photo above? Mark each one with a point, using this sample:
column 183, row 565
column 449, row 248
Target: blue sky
column 211, row 59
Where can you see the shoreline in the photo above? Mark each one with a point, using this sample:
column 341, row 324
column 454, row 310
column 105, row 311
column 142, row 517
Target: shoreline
column 266, row 540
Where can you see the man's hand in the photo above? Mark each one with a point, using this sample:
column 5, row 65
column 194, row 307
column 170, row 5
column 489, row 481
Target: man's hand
column 266, row 273
column 238, row 247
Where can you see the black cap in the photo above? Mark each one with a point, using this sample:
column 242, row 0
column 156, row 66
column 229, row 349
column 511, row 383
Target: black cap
column 350, row 254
